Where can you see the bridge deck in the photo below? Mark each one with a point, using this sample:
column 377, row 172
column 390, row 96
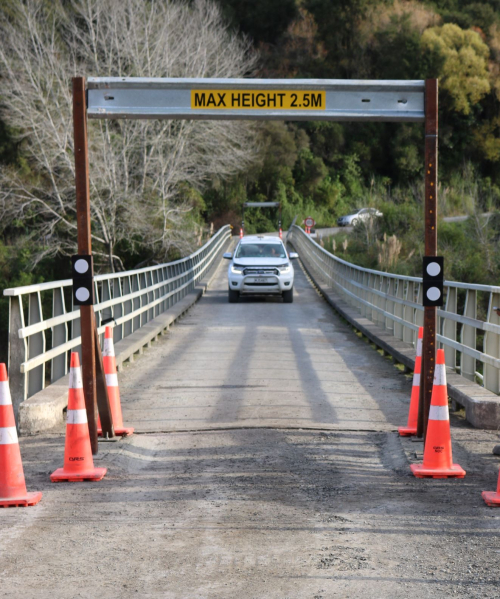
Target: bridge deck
column 262, row 363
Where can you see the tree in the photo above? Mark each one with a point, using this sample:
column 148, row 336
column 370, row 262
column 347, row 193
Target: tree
column 138, row 168
column 461, row 62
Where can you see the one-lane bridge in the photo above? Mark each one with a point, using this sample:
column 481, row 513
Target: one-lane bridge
column 265, row 461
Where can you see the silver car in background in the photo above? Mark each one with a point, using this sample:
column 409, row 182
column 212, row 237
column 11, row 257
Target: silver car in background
column 363, row 214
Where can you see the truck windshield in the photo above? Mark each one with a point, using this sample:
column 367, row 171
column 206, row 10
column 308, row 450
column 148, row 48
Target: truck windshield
column 260, row 250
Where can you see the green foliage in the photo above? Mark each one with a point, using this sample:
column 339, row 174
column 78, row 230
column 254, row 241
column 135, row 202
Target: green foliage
column 461, row 63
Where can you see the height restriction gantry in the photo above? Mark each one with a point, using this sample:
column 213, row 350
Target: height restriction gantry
column 249, row 99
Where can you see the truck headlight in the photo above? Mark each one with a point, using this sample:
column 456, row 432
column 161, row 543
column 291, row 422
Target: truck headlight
column 237, row 269
column 284, row 268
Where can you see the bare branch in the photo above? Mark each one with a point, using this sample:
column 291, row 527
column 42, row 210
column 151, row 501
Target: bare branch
column 136, row 166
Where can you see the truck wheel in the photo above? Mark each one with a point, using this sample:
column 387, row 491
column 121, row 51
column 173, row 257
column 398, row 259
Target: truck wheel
column 233, row 296
column 288, row 296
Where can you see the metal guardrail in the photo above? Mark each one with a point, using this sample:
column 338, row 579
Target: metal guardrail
column 132, row 298
column 394, row 302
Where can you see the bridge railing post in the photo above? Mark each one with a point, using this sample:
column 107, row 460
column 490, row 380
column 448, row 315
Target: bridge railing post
column 419, row 314
column 118, row 310
column 374, row 282
column 364, row 292
column 128, row 305
column 59, row 364
column 398, row 310
column 36, row 344
column 359, row 277
column 18, row 353
column 468, row 336
column 389, row 304
column 409, row 312
column 381, row 302
column 491, row 376
column 449, row 327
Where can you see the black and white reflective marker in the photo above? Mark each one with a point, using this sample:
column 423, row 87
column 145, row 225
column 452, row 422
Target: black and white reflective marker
column 83, row 280
column 433, row 280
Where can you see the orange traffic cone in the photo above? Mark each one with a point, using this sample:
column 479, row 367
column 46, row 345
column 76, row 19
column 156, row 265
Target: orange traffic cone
column 411, row 427
column 108, row 358
column 78, row 461
column 12, row 484
column 438, row 460
column 490, row 497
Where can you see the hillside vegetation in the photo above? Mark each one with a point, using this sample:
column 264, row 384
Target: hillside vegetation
column 157, row 199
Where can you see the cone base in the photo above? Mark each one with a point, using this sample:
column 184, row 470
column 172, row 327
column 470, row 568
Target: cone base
column 121, row 432
column 407, row 431
column 61, row 475
column 420, row 471
column 491, row 498
column 24, row 501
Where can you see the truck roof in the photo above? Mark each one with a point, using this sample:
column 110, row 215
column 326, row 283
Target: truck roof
column 260, row 239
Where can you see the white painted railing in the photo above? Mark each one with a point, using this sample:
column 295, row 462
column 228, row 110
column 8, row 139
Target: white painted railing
column 394, row 302
column 38, row 343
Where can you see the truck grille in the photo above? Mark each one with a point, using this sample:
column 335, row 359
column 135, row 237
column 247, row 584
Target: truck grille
column 261, row 271
column 261, row 284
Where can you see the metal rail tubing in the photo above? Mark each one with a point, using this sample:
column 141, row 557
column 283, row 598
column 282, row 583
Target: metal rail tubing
column 394, row 302
column 132, row 298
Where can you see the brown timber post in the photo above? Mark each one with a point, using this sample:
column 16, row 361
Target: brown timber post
column 87, row 317
column 431, row 183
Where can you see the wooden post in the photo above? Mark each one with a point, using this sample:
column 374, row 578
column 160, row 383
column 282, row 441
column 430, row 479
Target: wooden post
column 431, row 183
column 91, row 387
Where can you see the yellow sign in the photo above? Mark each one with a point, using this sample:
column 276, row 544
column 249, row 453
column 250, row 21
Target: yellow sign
column 257, row 100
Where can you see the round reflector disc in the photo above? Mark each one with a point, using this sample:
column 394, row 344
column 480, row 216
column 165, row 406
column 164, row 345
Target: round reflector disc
column 433, row 294
column 82, row 294
column 433, row 269
column 81, row 266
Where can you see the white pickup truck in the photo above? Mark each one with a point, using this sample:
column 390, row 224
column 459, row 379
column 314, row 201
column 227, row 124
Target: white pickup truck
column 260, row 265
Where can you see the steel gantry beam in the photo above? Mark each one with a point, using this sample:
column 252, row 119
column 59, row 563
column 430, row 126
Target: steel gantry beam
column 256, row 99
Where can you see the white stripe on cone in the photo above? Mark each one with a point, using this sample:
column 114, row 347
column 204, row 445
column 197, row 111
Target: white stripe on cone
column 419, row 348
column 416, row 379
column 112, row 380
column 440, row 375
column 5, row 399
column 439, row 413
column 8, row 435
column 77, row 416
column 108, row 349
column 75, row 378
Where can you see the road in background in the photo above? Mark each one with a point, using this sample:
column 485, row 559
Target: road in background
column 328, row 231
